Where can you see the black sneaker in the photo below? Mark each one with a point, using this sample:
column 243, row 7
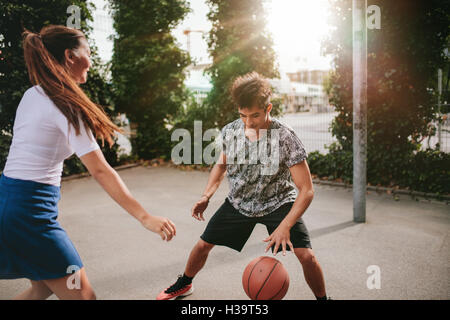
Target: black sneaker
column 178, row 289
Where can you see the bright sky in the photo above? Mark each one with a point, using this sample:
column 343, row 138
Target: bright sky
column 196, row 20
column 297, row 27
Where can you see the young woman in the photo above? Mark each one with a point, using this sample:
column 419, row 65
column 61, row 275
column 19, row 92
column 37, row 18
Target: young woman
column 55, row 119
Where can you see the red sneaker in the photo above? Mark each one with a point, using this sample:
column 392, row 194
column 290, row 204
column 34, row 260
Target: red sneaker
column 178, row 289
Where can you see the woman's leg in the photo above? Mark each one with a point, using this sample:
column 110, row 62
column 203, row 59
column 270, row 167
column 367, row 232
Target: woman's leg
column 64, row 288
column 37, row 291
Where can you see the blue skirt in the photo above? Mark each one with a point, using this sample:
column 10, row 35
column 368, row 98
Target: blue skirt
column 32, row 243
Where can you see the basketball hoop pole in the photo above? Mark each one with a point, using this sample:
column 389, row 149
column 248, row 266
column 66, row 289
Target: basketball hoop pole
column 359, row 109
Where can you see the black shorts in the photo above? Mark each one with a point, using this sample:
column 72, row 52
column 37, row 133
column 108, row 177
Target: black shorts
column 228, row 227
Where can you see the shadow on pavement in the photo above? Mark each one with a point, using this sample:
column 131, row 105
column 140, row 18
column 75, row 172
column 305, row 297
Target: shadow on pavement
column 326, row 230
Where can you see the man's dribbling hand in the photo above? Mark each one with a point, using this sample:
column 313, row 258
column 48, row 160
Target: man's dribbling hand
column 280, row 236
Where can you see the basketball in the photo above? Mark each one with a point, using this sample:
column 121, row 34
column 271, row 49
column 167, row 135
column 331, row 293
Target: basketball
column 265, row 278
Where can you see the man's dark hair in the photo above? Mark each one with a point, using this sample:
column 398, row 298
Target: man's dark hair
column 251, row 89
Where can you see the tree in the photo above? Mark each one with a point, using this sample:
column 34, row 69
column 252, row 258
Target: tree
column 403, row 58
column 147, row 70
column 14, row 81
column 238, row 44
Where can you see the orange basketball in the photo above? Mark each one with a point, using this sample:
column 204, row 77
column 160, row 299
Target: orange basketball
column 265, row 278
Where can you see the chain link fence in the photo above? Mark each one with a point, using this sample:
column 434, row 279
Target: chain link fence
column 314, row 130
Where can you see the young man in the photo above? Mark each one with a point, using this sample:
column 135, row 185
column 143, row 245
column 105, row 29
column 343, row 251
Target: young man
column 261, row 189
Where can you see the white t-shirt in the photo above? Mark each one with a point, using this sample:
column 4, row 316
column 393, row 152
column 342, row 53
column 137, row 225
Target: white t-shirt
column 42, row 139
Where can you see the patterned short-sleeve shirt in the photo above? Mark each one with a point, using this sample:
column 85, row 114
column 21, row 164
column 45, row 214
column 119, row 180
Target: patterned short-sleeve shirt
column 258, row 171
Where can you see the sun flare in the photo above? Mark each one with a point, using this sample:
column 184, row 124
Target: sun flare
column 297, row 26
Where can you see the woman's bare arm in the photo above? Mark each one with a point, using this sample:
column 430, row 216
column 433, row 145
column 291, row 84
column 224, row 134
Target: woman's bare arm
column 113, row 184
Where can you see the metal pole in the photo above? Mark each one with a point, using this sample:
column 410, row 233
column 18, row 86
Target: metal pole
column 359, row 110
column 439, row 107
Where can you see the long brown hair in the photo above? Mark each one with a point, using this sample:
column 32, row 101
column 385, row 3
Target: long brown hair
column 45, row 59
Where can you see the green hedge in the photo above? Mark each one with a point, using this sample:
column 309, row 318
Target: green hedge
column 425, row 171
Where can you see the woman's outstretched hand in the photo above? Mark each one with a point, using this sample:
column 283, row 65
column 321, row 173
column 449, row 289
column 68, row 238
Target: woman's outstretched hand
column 160, row 225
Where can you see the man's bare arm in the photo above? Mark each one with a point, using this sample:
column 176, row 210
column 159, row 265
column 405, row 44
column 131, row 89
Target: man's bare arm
column 215, row 178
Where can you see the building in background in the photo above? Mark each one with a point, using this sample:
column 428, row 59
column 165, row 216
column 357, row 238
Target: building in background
column 103, row 30
column 308, row 76
column 198, row 82
column 302, row 91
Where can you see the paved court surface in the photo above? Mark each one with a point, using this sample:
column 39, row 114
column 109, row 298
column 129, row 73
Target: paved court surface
column 407, row 240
